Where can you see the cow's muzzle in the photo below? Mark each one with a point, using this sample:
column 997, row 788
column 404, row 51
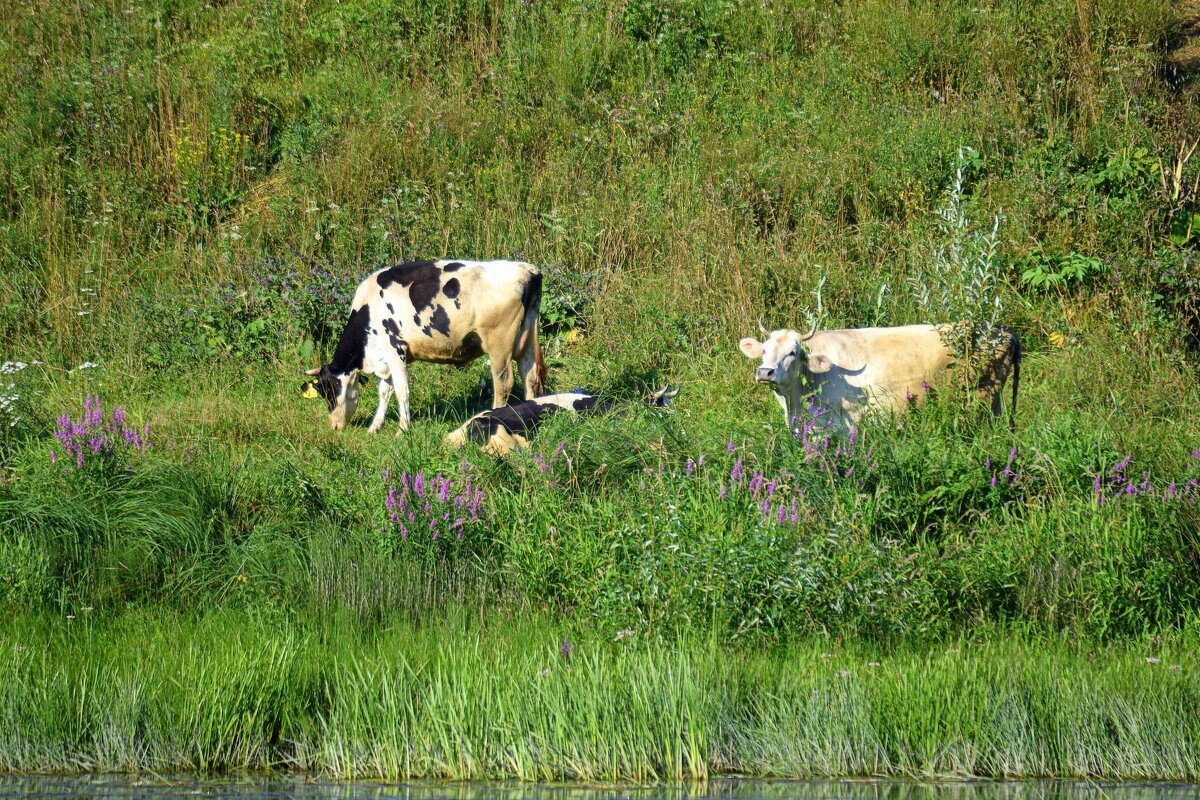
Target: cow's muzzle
column 765, row 375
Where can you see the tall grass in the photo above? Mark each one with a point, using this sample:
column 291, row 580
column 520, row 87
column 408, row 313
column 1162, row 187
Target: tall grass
column 525, row 698
column 651, row 522
column 188, row 192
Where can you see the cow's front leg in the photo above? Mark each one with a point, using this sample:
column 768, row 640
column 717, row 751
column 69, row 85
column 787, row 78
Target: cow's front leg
column 385, row 397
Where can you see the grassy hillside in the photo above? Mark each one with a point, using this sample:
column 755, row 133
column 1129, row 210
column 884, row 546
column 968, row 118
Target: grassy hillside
column 189, row 193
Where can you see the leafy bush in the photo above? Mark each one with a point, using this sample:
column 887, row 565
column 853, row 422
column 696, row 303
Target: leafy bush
column 567, row 295
column 1043, row 271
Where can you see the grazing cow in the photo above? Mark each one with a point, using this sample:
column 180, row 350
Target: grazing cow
column 448, row 312
column 856, row 370
column 501, row 429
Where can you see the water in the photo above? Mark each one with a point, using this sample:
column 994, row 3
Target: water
column 124, row 787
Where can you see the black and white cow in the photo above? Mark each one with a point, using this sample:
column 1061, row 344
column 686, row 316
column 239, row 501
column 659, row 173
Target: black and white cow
column 448, row 312
column 501, row 429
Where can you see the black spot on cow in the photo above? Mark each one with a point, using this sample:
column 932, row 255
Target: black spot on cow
column 394, row 337
column 469, row 349
column 440, row 321
column 452, row 288
column 381, row 292
column 453, row 267
column 329, row 386
column 416, row 319
column 426, row 332
column 390, row 309
column 590, row 404
column 520, row 418
column 423, row 279
column 349, row 353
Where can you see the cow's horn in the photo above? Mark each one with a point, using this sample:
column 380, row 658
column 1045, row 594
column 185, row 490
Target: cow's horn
column 312, row 372
column 761, row 329
column 812, row 332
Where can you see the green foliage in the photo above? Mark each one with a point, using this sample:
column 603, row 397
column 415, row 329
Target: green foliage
column 567, row 296
column 679, row 169
column 961, row 283
column 1047, row 272
column 21, row 414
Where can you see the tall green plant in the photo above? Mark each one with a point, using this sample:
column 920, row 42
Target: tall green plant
column 961, row 283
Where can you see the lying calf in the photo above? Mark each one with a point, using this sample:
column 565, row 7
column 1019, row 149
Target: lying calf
column 499, row 430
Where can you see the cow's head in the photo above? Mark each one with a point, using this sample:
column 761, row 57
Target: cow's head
column 339, row 391
column 785, row 362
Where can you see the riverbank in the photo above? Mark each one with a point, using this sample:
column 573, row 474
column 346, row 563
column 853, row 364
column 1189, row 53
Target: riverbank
column 510, row 696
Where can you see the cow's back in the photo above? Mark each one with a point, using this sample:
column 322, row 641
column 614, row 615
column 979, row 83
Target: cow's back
column 440, row 310
column 891, row 365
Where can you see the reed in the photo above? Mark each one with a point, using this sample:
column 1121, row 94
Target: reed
column 506, row 696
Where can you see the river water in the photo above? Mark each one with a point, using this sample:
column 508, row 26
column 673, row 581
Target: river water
column 125, row 787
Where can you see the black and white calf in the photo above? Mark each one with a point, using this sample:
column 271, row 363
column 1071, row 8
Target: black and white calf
column 501, row 429
column 448, row 312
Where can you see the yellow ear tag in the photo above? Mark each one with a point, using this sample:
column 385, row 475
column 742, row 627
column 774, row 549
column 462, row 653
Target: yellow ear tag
column 310, row 390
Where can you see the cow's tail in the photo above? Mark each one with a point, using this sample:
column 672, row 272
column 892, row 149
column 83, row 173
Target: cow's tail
column 1012, row 408
column 539, row 369
column 531, row 300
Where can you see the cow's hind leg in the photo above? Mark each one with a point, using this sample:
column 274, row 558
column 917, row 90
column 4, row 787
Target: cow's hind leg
column 502, row 379
column 499, row 353
column 531, row 371
column 525, row 344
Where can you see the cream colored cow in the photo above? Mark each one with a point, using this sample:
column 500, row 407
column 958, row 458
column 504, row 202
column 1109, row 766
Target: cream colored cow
column 854, row 370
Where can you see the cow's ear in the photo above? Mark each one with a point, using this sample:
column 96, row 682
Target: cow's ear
column 309, row 389
column 819, row 363
column 751, row 347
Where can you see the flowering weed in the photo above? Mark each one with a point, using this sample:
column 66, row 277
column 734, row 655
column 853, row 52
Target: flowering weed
column 435, row 516
column 96, row 442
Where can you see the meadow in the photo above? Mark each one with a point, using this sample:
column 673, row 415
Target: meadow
column 196, row 573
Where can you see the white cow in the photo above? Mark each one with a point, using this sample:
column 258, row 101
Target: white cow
column 852, row 371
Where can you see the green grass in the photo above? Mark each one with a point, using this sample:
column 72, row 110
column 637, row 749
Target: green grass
column 189, row 191
column 493, row 697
